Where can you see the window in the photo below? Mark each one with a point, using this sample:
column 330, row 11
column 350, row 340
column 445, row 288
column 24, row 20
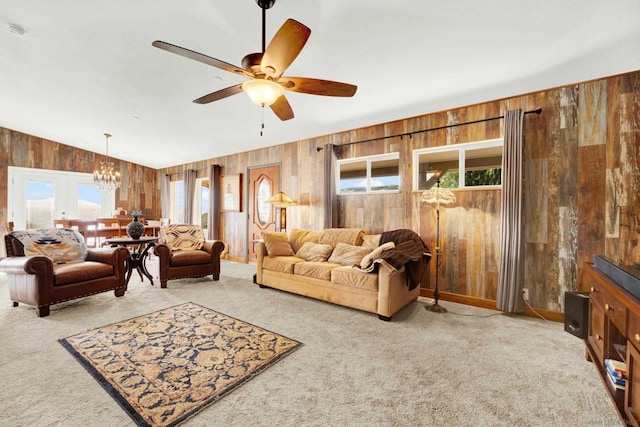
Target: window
column 480, row 163
column 372, row 174
column 177, row 202
column 38, row 196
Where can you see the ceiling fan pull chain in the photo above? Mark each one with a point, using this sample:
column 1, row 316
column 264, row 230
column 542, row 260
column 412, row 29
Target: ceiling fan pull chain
column 261, row 119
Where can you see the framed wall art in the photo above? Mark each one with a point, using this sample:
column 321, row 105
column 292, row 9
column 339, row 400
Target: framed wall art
column 231, row 193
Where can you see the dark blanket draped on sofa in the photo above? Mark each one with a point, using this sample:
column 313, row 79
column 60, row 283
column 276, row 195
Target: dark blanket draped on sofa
column 410, row 252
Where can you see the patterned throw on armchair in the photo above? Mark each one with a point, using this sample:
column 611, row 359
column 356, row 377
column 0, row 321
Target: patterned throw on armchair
column 183, row 252
column 47, row 266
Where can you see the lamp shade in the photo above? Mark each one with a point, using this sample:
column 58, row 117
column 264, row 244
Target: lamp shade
column 262, row 91
column 281, row 199
column 438, row 196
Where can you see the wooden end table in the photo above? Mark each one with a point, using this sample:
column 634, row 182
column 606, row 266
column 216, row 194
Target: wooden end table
column 138, row 252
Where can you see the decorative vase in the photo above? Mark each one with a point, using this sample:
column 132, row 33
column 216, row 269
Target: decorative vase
column 135, row 228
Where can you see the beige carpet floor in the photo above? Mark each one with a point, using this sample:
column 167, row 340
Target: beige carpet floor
column 422, row 369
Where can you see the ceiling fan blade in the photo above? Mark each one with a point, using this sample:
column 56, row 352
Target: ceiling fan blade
column 284, row 47
column 219, row 94
column 200, row 58
column 282, row 108
column 317, row 86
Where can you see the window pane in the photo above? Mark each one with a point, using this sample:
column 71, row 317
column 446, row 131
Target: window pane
column 40, row 204
column 353, row 177
column 204, row 204
column 483, row 167
column 385, row 175
column 263, row 208
column 445, row 163
column 177, row 202
column 89, row 202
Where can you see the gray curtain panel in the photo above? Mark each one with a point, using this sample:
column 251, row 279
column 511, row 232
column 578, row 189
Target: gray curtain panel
column 165, row 195
column 510, row 274
column 189, row 193
column 214, row 205
column 330, row 194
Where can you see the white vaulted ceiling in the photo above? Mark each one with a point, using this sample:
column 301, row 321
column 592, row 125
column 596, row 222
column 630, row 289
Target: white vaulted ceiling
column 84, row 68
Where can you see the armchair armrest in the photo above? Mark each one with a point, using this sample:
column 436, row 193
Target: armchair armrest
column 214, row 247
column 162, row 250
column 113, row 256
column 37, row 264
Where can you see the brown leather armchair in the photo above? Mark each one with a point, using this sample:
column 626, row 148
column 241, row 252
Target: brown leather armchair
column 179, row 264
column 38, row 282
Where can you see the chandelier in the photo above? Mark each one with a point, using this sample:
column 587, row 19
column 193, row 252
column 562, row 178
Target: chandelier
column 105, row 177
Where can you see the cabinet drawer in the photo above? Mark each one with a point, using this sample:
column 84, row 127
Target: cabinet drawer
column 596, row 329
column 597, row 292
column 613, row 308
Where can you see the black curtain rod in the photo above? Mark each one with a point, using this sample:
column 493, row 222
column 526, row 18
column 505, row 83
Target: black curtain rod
column 410, row 134
column 182, row 172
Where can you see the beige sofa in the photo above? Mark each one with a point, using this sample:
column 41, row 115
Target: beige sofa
column 384, row 290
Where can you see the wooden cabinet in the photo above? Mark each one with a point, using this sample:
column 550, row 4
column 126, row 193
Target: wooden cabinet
column 614, row 333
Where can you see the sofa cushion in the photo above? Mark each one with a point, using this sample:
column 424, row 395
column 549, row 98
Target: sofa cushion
column 277, row 243
column 283, row 264
column 319, row 270
column 182, row 237
column 314, row 252
column 347, row 276
column 345, row 254
column 62, row 245
column 66, row 274
column 298, row 237
column 333, row 236
column 195, row 257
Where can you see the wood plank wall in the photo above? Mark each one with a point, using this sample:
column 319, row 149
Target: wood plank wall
column 581, row 180
column 138, row 190
column 581, row 186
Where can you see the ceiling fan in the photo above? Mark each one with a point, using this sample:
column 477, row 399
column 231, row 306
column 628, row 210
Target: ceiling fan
column 266, row 84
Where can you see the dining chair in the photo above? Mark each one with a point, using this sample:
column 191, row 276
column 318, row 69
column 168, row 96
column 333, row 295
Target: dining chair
column 90, row 230
column 61, row 223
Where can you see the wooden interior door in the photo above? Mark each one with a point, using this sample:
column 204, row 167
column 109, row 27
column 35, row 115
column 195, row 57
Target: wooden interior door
column 264, row 182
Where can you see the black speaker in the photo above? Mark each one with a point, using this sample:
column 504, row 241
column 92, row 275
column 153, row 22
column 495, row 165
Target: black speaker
column 576, row 313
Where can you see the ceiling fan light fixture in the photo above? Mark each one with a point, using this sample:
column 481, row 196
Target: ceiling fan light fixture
column 262, row 91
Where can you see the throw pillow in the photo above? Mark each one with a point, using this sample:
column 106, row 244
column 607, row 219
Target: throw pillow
column 299, row 237
column 277, row 243
column 182, row 237
column 345, row 254
column 375, row 254
column 62, row 245
column 314, row 252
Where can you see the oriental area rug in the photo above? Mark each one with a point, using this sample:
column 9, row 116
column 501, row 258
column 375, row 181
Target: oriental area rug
column 165, row 366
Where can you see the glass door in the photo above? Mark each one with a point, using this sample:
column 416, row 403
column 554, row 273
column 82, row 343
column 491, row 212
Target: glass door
column 38, row 196
column 39, row 204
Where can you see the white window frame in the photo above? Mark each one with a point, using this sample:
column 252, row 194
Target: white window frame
column 66, row 201
column 369, row 160
column 461, row 149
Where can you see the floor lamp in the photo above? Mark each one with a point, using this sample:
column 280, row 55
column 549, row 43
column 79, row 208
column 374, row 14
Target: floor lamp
column 281, row 201
column 437, row 196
